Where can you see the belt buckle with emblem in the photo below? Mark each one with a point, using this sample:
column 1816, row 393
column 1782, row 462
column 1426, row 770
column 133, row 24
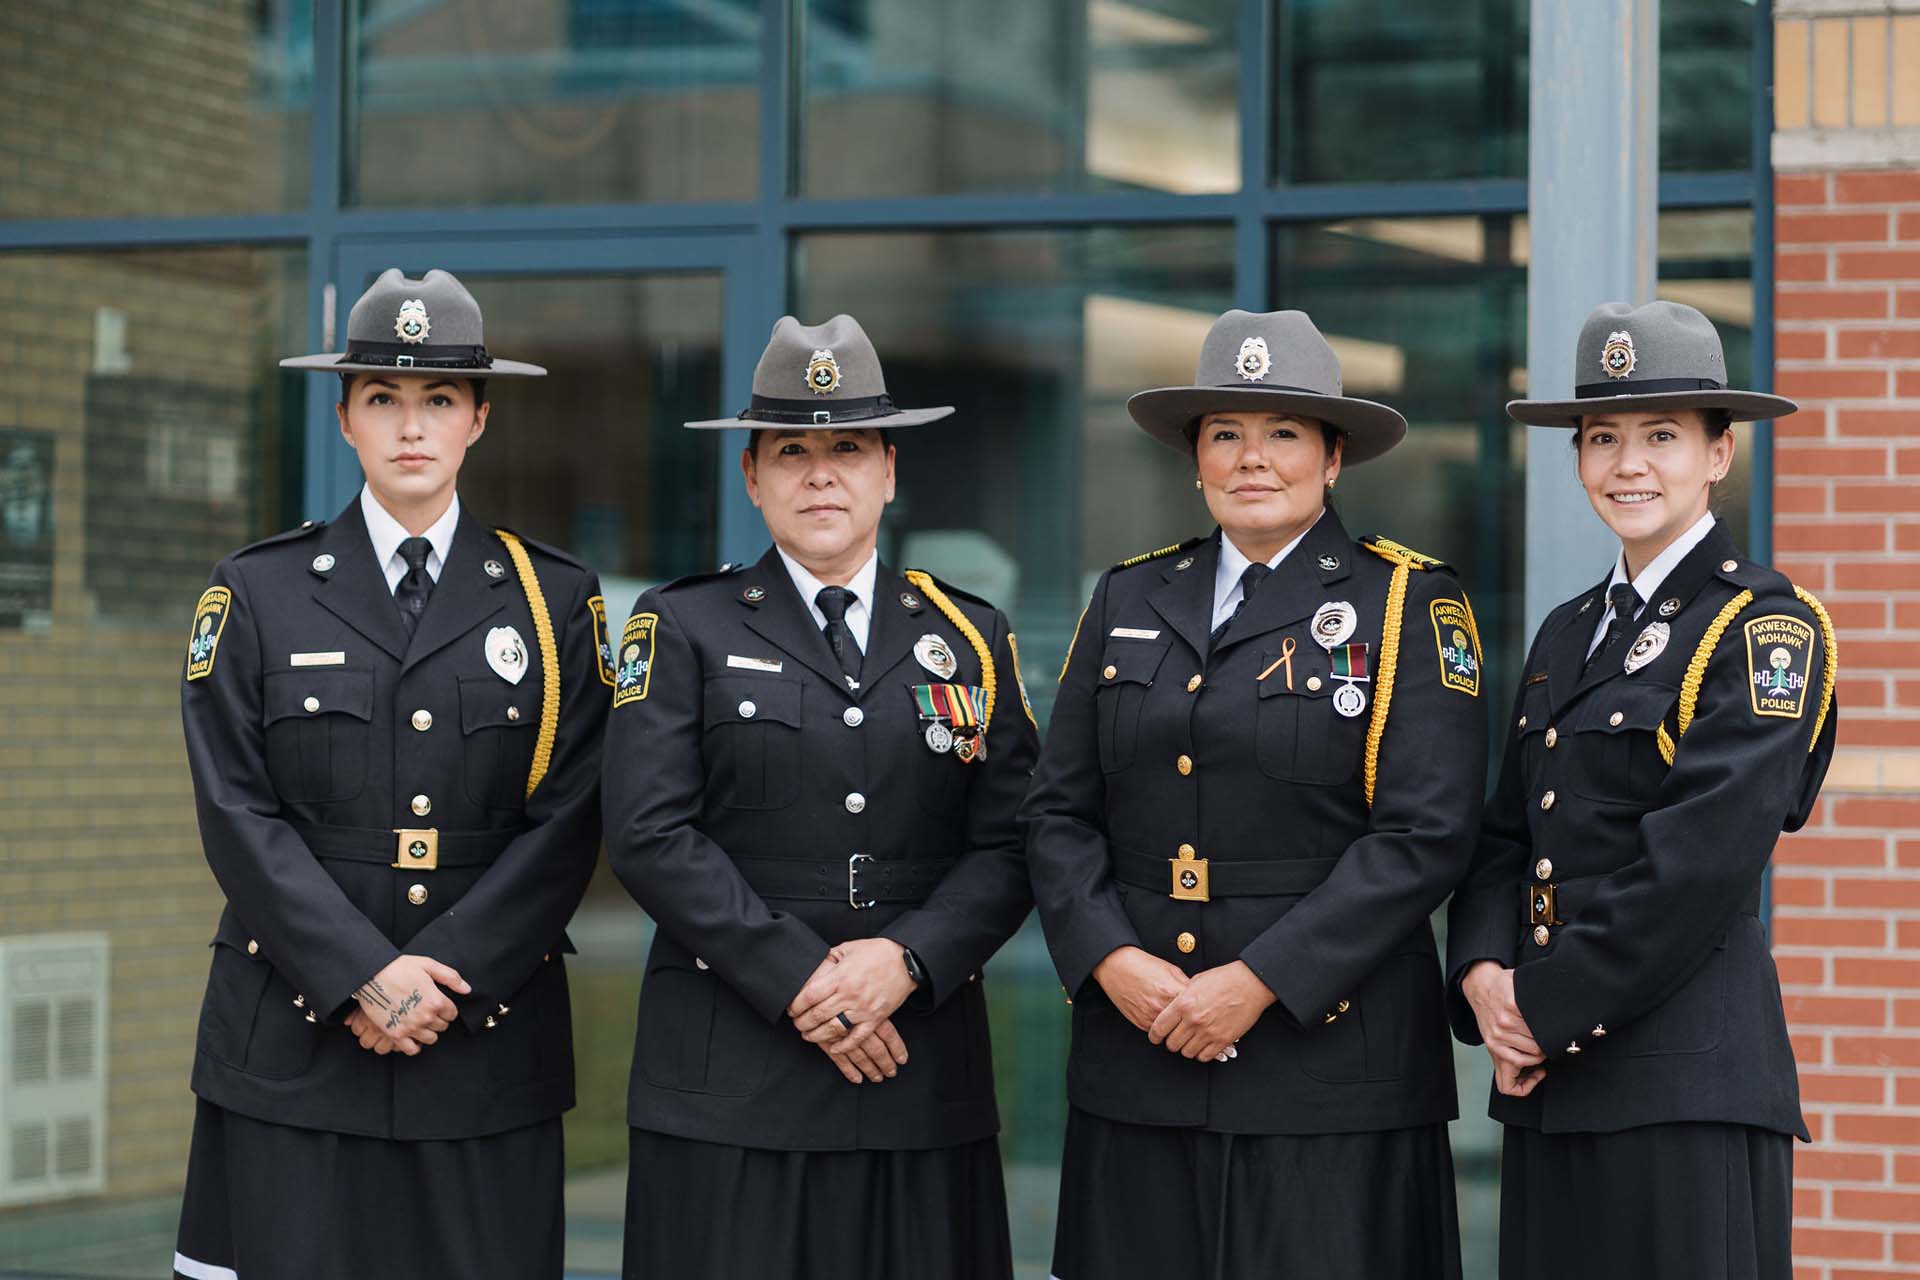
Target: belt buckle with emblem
column 1189, row 878
column 1543, row 904
column 416, row 848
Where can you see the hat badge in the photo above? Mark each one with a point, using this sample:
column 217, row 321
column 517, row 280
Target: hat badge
column 823, row 372
column 1253, row 360
column 1617, row 356
column 412, row 324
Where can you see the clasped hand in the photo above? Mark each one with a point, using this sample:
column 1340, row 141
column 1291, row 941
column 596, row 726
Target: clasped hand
column 865, row 980
column 402, row 1008
column 1202, row 1017
column 1518, row 1064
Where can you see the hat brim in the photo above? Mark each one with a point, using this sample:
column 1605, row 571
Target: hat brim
column 1745, row 406
column 338, row 362
column 1371, row 429
column 903, row 418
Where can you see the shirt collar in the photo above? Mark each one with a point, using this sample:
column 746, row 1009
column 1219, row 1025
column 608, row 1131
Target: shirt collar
column 1663, row 564
column 1234, row 562
column 809, row 586
column 387, row 534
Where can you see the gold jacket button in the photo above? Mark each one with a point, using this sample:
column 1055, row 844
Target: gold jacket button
column 1546, row 801
column 1540, row 935
column 491, row 1024
column 1193, row 683
column 253, row 946
column 417, row 894
column 1111, row 671
column 1186, row 942
column 299, row 1002
column 312, row 704
column 1553, row 736
column 1185, row 851
column 1313, row 683
column 1544, row 868
column 1343, row 1006
column 422, row 805
column 1184, row 764
column 310, row 1017
column 513, row 713
column 423, row 720
column 1616, row 718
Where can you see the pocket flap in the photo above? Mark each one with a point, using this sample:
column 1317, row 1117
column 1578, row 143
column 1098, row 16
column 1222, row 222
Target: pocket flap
column 1312, row 676
column 1626, row 707
column 316, row 693
column 752, row 699
column 230, row 932
column 1130, row 662
column 488, row 702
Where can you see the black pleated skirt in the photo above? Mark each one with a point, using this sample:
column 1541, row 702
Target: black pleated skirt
column 1153, row 1203
column 708, row 1211
column 1664, row 1202
column 269, row 1202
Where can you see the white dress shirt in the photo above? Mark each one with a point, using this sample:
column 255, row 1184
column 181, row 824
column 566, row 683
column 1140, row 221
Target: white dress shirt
column 1653, row 575
column 1233, row 563
column 387, row 534
column 859, row 613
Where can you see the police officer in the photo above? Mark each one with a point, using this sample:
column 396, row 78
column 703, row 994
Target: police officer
column 812, row 770
column 393, row 722
column 1671, row 721
column 1262, row 775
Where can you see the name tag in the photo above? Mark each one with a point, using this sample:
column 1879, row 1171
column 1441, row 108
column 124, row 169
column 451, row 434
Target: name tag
column 335, row 658
column 754, row 664
column 1133, row 633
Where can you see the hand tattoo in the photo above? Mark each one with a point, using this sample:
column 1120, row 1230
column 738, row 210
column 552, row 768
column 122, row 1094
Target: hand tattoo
column 406, row 1006
column 375, row 994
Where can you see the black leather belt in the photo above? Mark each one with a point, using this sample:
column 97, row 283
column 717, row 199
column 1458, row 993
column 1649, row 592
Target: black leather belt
column 1223, row 879
column 861, row 880
column 407, row 848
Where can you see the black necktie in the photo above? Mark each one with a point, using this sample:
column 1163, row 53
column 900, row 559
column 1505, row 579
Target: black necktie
column 833, row 603
column 1250, row 579
column 411, row 595
column 1626, row 602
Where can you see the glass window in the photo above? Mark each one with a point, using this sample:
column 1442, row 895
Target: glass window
column 144, row 433
column 146, row 108
column 921, row 97
column 474, row 102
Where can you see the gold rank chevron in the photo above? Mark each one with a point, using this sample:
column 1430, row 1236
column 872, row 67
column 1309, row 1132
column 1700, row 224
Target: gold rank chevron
column 1145, row 556
column 1697, row 670
column 952, row 611
column 549, row 659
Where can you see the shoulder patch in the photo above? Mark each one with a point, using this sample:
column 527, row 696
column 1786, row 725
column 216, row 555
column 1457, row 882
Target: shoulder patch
column 1387, row 549
column 1779, row 664
column 1131, row 561
column 1458, row 641
column 634, row 675
column 209, row 620
column 1019, row 682
column 285, row 535
column 602, row 645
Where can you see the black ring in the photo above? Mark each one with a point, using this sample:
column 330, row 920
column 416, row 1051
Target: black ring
column 844, row 1020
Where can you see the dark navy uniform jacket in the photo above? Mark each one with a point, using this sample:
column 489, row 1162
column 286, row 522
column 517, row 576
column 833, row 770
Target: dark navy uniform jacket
column 315, row 728
column 752, row 799
column 1645, row 972
column 1162, row 743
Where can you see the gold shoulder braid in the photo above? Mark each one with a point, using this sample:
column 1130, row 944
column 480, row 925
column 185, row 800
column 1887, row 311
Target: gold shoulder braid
column 1697, row 670
column 549, row 660
column 967, row 629
column 1145, row 556
column 1404, row 563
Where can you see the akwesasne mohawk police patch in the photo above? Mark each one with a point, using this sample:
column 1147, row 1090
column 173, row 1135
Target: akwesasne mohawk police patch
column 634, row 676
column 602, row 646
column 1779, row 663
column 209, row 620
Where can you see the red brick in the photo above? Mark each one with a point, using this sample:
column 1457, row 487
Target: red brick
column 1906, row 692
column 1907, row 935
column 1809, row 849
column 1802, row 266
column 1877, row 1206
column 1878, row 264
column 1831, row 304
column 1793, row 498
column 1893, row 498
column 1830, row 535
column 1873, row 187
column 1800, row 891
column 1861, row 693
column 1857, row 615
column 1830, row 1086
column 1906, row 613
column 1882, row 655
column 1908, row 226
column 1865, row 1012
column 1811, row 574
column 1816, row 1122
column 1856, row 731
column 1825, row 1242
column 1809, row 1051
column 1832, row 384
column 1906, row 1248
column 1870, row 575
column 1906, row 1013
column 1830, row 228
column 1883, row 893
column 1802, row 461
column 1828, row 931
column 1877, row 344
column 1877, row 1129
column 1808, row 424
column 1906, row 1170
column 1906, row 304
column 1809, row 1203
column 1800, row 188
column 1800, row 344
column 1877, row 811
column 1906, row 462
column 1801, row 971
column 1906, row 1093
column 1873, row 971
column 1906, row 384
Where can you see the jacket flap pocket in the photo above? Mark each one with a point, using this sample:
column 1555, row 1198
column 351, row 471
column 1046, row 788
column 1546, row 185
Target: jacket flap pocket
column 752, row 699
column 1626, row 707
column 488, row 702
column 1131, row 661
column 318, row 692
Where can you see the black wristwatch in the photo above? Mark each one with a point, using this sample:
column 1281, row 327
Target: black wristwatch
column 915, row 970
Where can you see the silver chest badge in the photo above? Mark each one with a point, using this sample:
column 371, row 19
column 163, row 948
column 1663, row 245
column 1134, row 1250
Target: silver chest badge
column 507, row 654
column 1334, row 623
column 932, row 653
column 1648, row 645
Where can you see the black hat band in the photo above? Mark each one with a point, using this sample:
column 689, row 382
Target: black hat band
column 810, row 413
column 418, row 355
column 1644, row 387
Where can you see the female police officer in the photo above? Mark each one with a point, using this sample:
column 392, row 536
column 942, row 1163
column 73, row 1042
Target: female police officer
column 393, row 722
column 1262, row 776
column 1669, row 723
column 812, row 769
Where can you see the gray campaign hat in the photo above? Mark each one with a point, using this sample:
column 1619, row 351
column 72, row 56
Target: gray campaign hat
column 1270, row 362
column 429, row 325
column 821, row 376
column 1665, row 355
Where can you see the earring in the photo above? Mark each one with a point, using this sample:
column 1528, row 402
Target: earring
column 1197, row 484
column 1330, row 486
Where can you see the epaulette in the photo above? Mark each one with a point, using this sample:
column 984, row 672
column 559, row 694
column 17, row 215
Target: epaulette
column 1188, row 545
column 310, row 526
column 960, row 593
column 705, row 575
column 544, row 548
column 1387, row 549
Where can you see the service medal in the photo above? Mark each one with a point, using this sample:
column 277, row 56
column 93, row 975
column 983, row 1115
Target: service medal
column 939, row 738
column 1349, row 701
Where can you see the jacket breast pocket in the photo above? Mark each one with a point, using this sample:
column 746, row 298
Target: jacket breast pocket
column 1298, row 735
column 1615, row 732
column 499, row 727
column 316, row 732
column 752, row 737
column 1127, row 669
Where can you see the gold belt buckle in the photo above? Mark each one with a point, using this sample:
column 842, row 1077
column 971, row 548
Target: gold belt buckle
column 1189, row 878
column 416, row 848
column 1543, row 904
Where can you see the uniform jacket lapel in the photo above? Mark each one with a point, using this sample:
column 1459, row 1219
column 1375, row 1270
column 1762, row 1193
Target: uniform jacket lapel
column 1299, row 586
column 465, row 595
column 1185, row 596
column 892, row 628
column 354, row 589
column 781, row 617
